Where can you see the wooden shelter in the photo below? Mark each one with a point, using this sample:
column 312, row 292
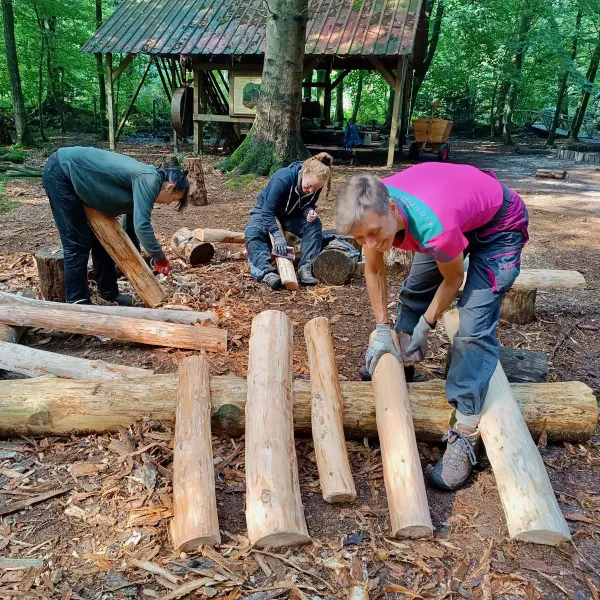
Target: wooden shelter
column 219, row 45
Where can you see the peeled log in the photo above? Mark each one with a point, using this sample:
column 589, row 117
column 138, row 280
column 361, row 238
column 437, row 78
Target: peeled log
column 549, row 279
column 128, row 329
column 531, row 510
column 274, row 511
column 335, row 476
column 117, row 243
column 195, row 520
column 184, row 317
column 50, row 263
column 567, row 411
column 518, row 306
column 223, row 236
column 285, row 267
column 9, row 334
column 35, row 363
column 186, row 246
column 402, row 473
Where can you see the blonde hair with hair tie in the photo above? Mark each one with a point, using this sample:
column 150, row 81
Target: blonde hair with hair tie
column 318, row 168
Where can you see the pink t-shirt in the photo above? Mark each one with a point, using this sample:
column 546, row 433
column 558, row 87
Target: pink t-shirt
column 440, row 202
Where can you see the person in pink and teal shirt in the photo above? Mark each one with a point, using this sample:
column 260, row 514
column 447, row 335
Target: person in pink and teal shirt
column 444, row 213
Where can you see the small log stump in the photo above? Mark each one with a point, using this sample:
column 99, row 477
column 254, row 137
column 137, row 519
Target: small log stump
column 334, row 267
column 186, row 246
column 518, row 306
column 550, row 174
column 197, row 192
column 50, row 262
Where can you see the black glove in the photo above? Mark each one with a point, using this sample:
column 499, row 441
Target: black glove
column 279, row 244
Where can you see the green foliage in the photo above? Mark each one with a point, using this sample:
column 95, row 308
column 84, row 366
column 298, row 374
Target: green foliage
column 239, row 182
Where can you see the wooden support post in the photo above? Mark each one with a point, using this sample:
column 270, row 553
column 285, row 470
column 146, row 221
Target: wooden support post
column 195, row 520
column 122, row 66
column 402, row 473
column 117, row 243
column 35, row 363
column 173, row 88
column 532, row 512
column 398, row 99
column 132, row 101
column 223, row 236
column 50, row 263
column 161, row 75
column 186, row 246
column 405, row 109
column 327, row 101
column 199, row 108
column 128, row 329
column 335, row 476
column 150, row 314
column 389, row 77
column 274, row 512
column 110, row 100
column 285, row 266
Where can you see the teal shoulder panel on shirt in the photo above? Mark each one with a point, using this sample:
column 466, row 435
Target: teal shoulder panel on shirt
column 423, row 223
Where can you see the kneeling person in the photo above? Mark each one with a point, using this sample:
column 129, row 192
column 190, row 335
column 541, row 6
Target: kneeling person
column 291, row 196
column 442, row 212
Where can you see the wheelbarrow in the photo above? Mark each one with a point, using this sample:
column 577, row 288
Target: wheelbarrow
column 431, row 135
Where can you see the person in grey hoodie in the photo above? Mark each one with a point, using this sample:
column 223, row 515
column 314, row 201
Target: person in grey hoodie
column 115, row 185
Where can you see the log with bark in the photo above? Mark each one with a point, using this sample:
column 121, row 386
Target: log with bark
column 128, row 329
column 112, row 236
column 274, row 511
column 152, row 314
column 551, row 174
column 223, row 236
column 50, row 262
column 532, row 512
column 186, row 246
column 35, row 363
column 565, row 411
column 335, row 476
column 195, row 521
column 197, row 192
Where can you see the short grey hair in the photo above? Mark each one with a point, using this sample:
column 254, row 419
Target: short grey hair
column 363, row 194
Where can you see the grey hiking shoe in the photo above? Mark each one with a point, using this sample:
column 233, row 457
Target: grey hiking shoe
column 273, row 280
column 454, row 468
column 305, row 275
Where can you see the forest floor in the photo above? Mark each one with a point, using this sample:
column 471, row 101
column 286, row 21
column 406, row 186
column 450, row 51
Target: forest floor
column 106, row 535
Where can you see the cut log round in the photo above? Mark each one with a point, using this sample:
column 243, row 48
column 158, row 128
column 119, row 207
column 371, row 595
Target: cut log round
column 334, row 267
column 186, row 246
column 285, row 267
column 274, row 512
column 117, row 243
column 195, row 520
column 335, row 476
column 532, row 512
column 566, row 411
column 518, row 306
column 152, row 314
column 197, row 193
column 50, row 262
column 35, row 363
column 551, row 174
column 223, row 236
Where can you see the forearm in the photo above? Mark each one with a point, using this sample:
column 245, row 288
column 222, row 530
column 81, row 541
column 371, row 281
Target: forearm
column 443, row 299
column 378, row 292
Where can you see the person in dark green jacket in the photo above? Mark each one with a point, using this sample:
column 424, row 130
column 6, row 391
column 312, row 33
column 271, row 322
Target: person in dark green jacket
column 115, row 185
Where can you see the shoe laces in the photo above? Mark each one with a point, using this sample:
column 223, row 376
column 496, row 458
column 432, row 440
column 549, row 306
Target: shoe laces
column 459, row 444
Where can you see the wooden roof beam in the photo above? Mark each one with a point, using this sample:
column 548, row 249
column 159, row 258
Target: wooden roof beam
column 122, row 66
column 387, row 75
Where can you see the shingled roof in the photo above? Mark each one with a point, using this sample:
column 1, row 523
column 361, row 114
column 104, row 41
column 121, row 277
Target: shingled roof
column 237, row 28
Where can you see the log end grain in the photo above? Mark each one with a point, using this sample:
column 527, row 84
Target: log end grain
column 339, row 496
column 542, row 536
column 413, row 532
column 202, row 254
column 210, row 539
column 334, row 267
column 282, row 539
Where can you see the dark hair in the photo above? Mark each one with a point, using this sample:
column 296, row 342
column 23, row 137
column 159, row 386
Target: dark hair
column 179, row 179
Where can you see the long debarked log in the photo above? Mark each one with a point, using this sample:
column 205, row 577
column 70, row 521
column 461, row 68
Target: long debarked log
column 223, row 236
column 274, row 511
column 117, row 243
column 531, row 510
column 193, row 337
column 195, row 520
column 568, row 411
column 35, row 363
column 152, row 314
column 549, row 279
column 335, row 476
column 285, row 267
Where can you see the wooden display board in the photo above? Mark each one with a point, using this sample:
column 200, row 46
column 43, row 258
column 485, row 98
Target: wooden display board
column 243, row 92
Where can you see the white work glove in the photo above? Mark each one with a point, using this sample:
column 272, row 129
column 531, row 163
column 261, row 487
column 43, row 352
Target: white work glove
column 419, row 337
column 381, row 344
column 311, row 215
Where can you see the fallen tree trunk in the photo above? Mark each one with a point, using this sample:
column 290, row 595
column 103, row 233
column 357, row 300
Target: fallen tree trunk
column 186, row 246
column 567, row 411
column 152, row 314
column 216, row 236
column 126, row 329
column 35, row 363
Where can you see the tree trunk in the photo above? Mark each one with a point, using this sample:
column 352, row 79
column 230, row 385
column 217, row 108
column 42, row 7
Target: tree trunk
column 41, row 72
column 562, row 86
column 359, row 87
column 101, row 82
column 339, row 104
column 585, row 96
column 24, row 135
column 275, row 140
column 515, row 88
column 197, row 192
column 500, row 105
